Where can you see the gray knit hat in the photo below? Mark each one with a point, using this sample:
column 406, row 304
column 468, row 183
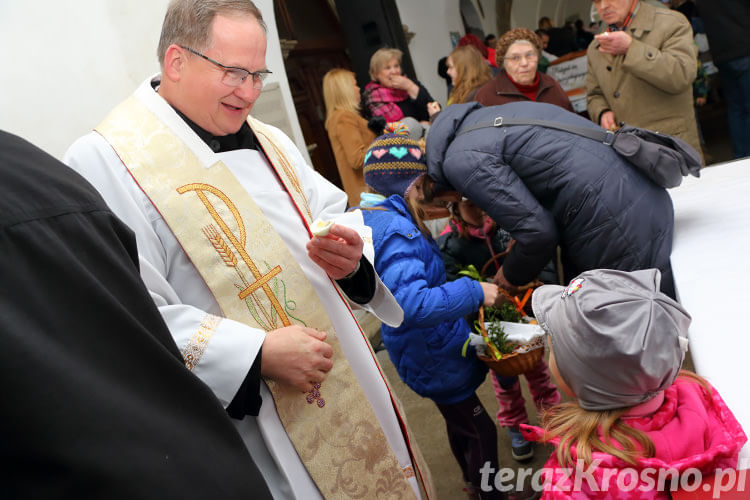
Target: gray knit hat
column 616, row 338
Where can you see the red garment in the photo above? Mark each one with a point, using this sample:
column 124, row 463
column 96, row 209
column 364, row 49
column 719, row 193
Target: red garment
column 691, row 430
column 529, row 91
column 474, row 41
column 491, row 58
column 510, row 400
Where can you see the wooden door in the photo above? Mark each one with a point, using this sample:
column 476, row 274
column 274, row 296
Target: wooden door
column 320, row 46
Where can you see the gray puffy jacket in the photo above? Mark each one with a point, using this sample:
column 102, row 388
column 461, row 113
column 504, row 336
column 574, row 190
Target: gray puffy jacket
column 548, row 187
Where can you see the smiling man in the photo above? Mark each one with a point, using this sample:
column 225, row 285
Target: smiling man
column 222, row 205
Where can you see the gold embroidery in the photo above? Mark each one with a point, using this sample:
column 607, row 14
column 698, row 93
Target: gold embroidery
column 345, row 432
column 288, row 172
column 239, row 245
column 226, row 253
column 408, row 471
column 198, row 343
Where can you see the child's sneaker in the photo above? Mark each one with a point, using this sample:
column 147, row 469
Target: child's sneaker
column 519, row 447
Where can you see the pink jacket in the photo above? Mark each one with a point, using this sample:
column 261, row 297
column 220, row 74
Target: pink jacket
column 691, row 431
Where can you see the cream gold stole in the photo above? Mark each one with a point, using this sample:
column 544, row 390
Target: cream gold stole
column 255, row 280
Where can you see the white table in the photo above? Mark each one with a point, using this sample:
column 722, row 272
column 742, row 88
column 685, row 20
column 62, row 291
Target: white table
column 711, row 265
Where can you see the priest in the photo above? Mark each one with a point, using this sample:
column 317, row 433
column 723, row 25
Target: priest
column 222, row 206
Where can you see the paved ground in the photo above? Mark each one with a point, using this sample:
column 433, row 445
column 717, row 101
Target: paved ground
column 429, row 428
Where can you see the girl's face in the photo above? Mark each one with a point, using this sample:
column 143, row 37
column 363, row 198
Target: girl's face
column 471, row 213
column 415, row 194
column 392, row 68
column 556, row 373
column 451, row 70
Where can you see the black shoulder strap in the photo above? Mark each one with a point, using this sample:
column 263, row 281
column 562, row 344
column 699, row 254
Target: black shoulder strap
column 600, row 135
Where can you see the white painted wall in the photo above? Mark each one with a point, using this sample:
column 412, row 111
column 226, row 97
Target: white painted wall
column 431, row 21
column 526, row 13
column 66, row 63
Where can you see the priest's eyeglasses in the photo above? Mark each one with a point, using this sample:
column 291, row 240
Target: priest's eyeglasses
column 234, row 76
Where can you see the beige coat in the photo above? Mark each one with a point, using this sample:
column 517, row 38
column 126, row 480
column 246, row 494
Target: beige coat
column 651, row 86
column 350, row 139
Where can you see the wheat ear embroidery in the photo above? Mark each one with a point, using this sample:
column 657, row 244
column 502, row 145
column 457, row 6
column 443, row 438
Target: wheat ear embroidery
column 230, row 260
column 226, row 253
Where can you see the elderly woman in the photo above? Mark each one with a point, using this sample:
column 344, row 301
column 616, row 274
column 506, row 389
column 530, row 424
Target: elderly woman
column 347, row 130
column 392, row 95
column 517, row 53
column 468, row 72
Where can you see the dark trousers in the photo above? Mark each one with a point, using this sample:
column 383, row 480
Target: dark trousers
column 735, row 81
column 473, row 439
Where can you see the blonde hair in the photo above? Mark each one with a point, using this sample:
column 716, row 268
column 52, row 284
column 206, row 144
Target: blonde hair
column 338, row 92
column 417, row 212
column 381, row 57
column 604, row 431
column 415, row 207
column 471, row 72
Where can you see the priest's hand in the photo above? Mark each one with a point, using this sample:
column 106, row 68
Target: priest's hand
column 338, row 253
column 297, row 356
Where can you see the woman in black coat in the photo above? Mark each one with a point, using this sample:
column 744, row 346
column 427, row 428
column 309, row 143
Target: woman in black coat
column 548, row 187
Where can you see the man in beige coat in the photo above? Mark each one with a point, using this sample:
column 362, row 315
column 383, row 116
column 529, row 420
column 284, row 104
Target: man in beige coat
column 641, row 70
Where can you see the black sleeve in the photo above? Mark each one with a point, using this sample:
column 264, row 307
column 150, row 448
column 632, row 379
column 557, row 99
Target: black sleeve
column 247, row 401
column 452, row 264
column 496, row 188
column 98, row 384
column 417, row 108
column 360, row 288
column 423, row 98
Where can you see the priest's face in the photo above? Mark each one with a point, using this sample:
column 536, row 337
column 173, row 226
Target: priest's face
column 202, row 94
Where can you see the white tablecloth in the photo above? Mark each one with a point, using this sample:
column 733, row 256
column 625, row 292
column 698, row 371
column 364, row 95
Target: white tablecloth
column 711, row 264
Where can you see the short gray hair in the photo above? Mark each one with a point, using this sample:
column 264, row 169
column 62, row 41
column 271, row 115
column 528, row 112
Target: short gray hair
column 188, row 22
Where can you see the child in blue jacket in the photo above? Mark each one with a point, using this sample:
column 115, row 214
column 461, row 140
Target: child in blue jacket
column 426, row 348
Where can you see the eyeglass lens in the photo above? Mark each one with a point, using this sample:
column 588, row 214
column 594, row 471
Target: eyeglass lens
column 518, row 57
column 235, row 77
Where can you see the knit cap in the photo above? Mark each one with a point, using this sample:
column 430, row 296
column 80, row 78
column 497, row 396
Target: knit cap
column 512, row 36
column 617, row 340
column 392, row 164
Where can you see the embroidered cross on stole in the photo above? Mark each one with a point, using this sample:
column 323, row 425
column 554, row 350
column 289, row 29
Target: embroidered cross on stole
column 255, row 280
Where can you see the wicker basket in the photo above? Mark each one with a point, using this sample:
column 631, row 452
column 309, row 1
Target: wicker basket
column 522, row 360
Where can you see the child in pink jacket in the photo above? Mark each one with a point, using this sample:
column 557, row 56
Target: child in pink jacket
column 471, row 237
column 639, row 426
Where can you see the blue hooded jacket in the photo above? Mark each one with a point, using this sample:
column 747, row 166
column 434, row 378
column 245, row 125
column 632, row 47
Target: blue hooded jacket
column 426, row 348
column 549, row 187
